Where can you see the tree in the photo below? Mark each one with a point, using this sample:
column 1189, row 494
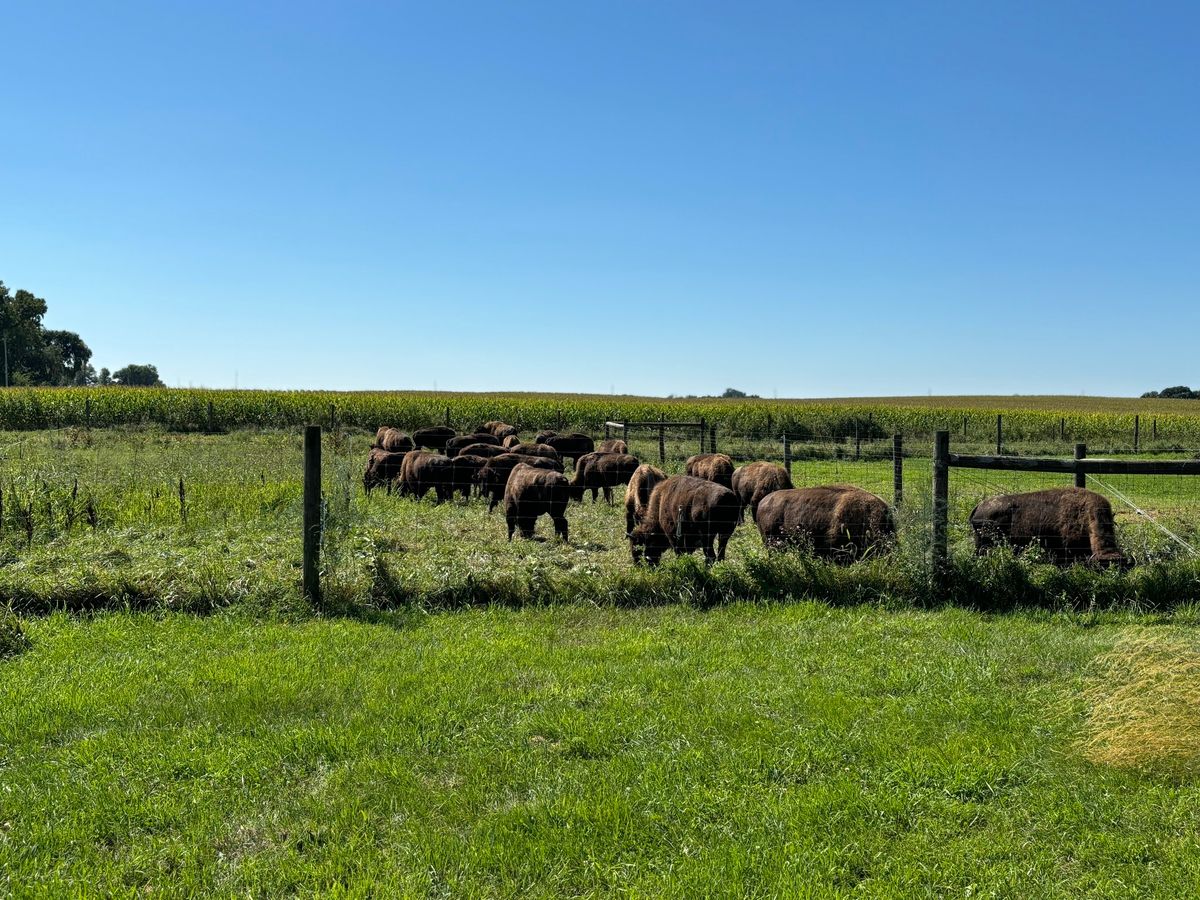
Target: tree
column 134, row 375
column 35, row 354
column 1178, row 392
column 105, row 377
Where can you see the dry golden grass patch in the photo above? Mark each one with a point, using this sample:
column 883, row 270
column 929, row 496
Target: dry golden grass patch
column 1143, row 704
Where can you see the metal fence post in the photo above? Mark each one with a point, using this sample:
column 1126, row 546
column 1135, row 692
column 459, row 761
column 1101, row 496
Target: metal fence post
column 712, row 438
column 312, row 512
column 787, row 453
column 625, row 433
column 703, row 428
column 662, row 440
column 1080, row 477
column 1136, row 432
column 999, row 435
column 897, row 470
column 941, row 504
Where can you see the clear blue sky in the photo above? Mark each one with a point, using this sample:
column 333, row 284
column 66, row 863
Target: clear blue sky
column 802, row 200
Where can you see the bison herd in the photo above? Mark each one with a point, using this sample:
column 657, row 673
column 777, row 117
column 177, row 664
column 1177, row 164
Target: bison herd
column 700, row 509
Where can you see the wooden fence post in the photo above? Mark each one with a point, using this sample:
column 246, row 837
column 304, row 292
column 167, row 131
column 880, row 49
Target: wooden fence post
column 941, row 504
column 702, row 430
column 662, row 440
column 606, row 435
column 1154, row 428
column 964, row 428
column 712, row 438
column 1062, row 429
column 857, row 440
column 312, row 512
column 447, row 417
column 1136, row 433
column 625, row 433
column 897, row 470
column 787, row 453
column 999, row 434
column 1080, row 477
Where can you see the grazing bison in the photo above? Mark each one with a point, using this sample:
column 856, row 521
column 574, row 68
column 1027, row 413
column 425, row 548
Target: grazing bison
column 487, row 451
column 838, row 521
column 532, row 492
column 493, row 477
column 464, row 470
column 615, row 445
column 754, row 481
column 685, row 513
column 1071, row 524
column 637, row 494
column 543, row 450
column 541, row 436
column 393, row 440
column 422, row 470
column 434, row 438
column 455, row 445
column 602, row 472
column 383, row 468
column 570, row 446
column 497, row 429
column 715, row 467
column 511, row 441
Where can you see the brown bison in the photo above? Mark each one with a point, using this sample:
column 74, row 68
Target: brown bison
column 543, row 450
column 487, row 451
column 393, row 440
column 602, row 472
column 637, row 494
column 493, row 477
column 434, row 438
column 464, row 470
column 570, row 446
column 685, row 513
column 614, row 445
column 497, row 429
column 455, row 445
column 383, row 468
column 754, row 481
column 837, row 521
column 715, row 467
column 511, row 441
column 541, row 436
column 532, row 492
column 1071, row 524
column 422, row 470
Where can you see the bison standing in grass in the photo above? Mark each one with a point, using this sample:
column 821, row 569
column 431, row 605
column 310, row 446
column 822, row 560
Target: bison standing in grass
column 455, row 445
column 422, row 470
column 487, row 451
column 532, row 492
column 840, row 522
column 493, row 477
column 756, row 480
column 602, row 472
column 511, row 441
column 497, row 429
column 715, row 467
column 464, row 472
column 1071, row 524
column 393, row 440
column 637, row 494
column 542, row 450
column 686, row 514
column 383, row 468
column 613, row 445
column 570, row 446
column 434, row 438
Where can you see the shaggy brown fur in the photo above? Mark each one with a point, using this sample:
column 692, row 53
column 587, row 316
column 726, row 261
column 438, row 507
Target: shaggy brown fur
column 422, row 470
column 487, row 451
column 615, row 445
column 497, row 429
column 393, row 440
column 837, row 521
column 541, row 436
column 1071, row 524
column 493, row 477
column 570, row 446
column 542, row 450
column 455, row 445
column 637, row 494
column 532, row 492
column 511, row 441
column 716, row 467
column 383, row 468
column 434, row 438
column 685, row 513
column 602, row 472
column 464, row 469
column 754, row 481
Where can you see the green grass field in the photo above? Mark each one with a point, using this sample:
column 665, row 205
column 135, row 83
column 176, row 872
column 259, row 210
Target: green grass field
column 793, row 750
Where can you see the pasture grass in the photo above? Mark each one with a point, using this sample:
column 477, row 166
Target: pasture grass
column 751, row 750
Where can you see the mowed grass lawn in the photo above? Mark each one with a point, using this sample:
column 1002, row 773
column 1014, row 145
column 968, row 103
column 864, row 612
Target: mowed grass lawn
column 790, row 750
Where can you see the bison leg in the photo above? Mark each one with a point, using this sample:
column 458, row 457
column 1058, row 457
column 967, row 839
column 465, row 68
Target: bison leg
column 722, row 542
column 512, row 523
column 560, row 526
column 527, row 525
column 608, row 495
column 629, row 523
column 493, row 503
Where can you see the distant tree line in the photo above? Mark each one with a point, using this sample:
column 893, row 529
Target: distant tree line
column 729, row 393
column 1179, row 392
column 36, row 355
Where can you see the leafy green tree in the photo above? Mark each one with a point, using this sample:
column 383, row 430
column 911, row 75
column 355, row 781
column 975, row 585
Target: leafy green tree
column 35, row 354
column 137, row 376
column 105, row 377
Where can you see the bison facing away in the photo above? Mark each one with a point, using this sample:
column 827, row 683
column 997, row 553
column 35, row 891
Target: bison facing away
column 613, row 445
column 754, row 481
column 434, row 438
column 393, row 440
column 383, row 468
column 637, row 494
column 511, row 441
column 715, row 467
column 685, row 513
column 1071, row 524
column 487, row 451
column 493, row 477
column 422, row 470
column 602, row 472
column 540, row 437
column 532, row 492
column 542, row 450
column 497, row 429
column 837, row 521
column 570, row 446
column 455, row 445
column 464, row 472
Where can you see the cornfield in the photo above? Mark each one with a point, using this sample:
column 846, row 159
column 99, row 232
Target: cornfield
column 1111, row 421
